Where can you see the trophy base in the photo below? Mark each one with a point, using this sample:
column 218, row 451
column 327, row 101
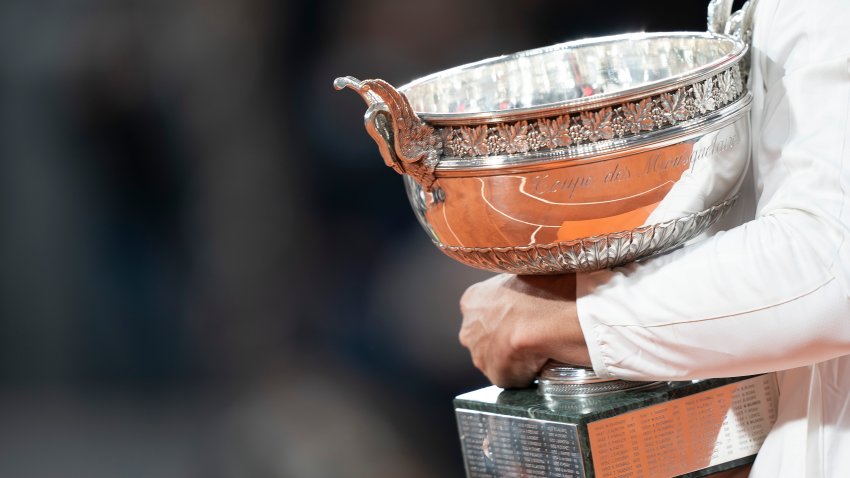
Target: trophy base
column 655, row 430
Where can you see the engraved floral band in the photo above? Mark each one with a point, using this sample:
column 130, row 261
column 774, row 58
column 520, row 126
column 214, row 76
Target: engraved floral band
column 628, row 119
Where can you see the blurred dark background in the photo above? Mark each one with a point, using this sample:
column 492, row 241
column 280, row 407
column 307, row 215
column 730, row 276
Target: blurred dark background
column 206, row 270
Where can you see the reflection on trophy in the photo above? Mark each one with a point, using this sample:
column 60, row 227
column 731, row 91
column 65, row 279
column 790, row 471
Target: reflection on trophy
column 578, row 157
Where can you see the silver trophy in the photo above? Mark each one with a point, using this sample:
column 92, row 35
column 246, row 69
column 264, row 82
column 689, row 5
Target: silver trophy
column 574, row 157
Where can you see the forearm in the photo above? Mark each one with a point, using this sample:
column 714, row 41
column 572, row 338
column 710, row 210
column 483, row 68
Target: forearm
column 758, row 298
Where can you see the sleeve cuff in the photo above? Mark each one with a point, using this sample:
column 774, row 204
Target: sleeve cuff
column 585, row 284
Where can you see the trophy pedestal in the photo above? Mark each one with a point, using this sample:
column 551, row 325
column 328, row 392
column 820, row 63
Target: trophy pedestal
column 663, row 429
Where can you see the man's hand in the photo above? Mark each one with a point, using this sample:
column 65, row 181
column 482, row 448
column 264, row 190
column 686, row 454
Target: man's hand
column 513, row 324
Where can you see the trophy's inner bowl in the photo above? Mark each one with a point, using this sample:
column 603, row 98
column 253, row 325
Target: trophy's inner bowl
column 569, row 73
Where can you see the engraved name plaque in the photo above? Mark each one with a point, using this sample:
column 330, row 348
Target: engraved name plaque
column 671, row 429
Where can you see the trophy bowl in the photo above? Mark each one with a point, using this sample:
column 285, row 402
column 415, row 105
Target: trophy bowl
column 574, row 157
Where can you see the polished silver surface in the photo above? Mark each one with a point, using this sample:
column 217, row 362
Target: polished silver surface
column 738, row 25
column 570, row 374
column 531, row 130
column 564, row 380
column 594, row 129
column 407, row 144
column 627, row 128
column 593, row 253
column 715, row 161
column 719, row 15
column 556, row 99
column 581, row 207
column 570, row 76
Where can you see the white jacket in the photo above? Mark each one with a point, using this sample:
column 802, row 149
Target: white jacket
column 773, row 293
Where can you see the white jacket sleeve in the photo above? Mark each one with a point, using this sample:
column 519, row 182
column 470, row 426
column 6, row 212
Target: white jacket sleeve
column 770, row 294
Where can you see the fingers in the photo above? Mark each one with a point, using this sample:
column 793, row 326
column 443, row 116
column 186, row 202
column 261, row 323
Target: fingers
column 503, row 367
column 510, row 324
column 482, row 332
column 514, row 374
column 496, row 345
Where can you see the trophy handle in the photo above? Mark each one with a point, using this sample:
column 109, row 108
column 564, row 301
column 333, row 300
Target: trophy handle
column 738, row 25
column 407, row 144
column 719, row 12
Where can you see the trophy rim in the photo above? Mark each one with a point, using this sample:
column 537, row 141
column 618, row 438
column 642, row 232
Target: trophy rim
column 737, row 51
